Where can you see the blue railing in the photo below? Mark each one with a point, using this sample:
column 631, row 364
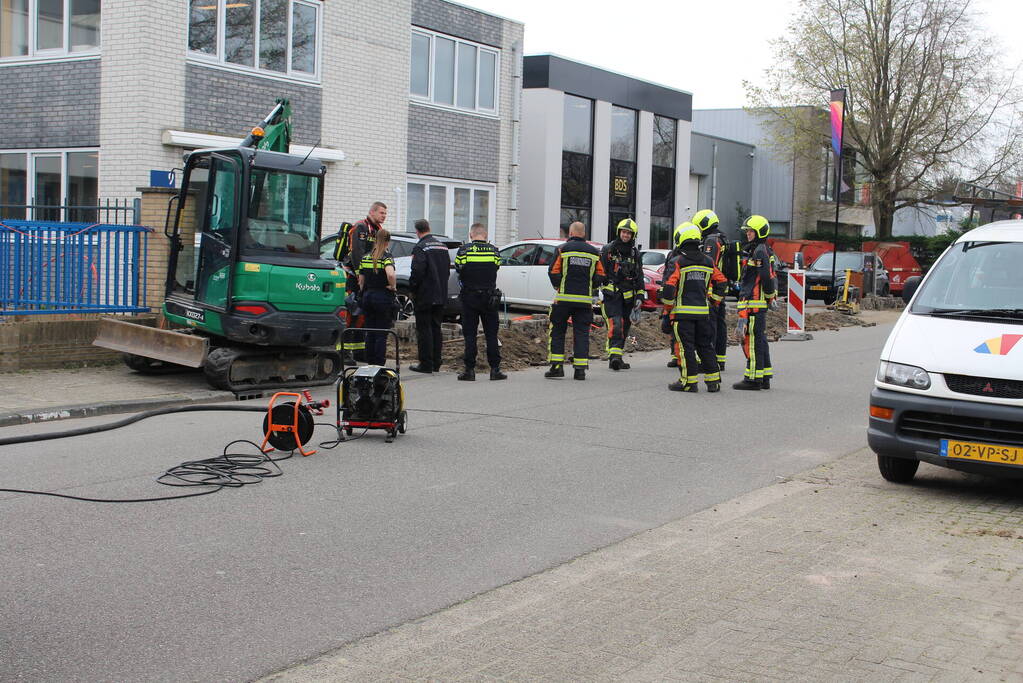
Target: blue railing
column 48, row 267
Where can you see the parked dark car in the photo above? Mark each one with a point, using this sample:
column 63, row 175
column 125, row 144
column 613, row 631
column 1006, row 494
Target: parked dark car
column 402, row 244
column 818, row 276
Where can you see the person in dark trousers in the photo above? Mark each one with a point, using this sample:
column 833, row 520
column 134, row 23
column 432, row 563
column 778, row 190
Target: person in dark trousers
column 714, row 247
column 666, row 326
column 429, row 286
column 353, row 245
column 377, row 287
column 758, row 291
column 477, row 263
column 693, row 287
column 575, row 272
column 622, row 289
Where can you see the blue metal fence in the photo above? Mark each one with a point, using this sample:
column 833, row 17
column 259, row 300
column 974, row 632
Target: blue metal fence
column 48, row 267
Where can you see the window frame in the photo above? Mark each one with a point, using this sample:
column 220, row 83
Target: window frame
column 450, row 185
column 52, row 54
column 31, row 156
column 219, row 59
column 428, row 100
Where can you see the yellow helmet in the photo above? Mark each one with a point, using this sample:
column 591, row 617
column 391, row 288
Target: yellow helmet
column 686, row 232
column 628, row 224
column 759, row 225
column 705, row 220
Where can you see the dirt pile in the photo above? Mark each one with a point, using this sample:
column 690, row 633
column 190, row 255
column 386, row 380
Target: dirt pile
column 524, row 343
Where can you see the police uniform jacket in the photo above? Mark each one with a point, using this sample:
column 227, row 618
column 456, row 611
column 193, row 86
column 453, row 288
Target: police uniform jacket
column 576, row 272
column 429, row 278
column 477, row 263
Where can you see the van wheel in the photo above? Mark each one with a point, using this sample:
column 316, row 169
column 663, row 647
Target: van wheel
column 897, row 470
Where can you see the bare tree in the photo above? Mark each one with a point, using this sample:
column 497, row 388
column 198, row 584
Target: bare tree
column 927, row 98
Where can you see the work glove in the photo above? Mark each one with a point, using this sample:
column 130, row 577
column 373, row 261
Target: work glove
column 666, row 324
column 634, row 315
column 773, row 304
column 740, row 328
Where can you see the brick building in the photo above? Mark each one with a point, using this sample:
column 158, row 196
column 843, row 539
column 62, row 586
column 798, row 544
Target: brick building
column 412, row 102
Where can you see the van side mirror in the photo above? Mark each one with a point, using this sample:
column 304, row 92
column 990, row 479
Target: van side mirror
column 909, row 287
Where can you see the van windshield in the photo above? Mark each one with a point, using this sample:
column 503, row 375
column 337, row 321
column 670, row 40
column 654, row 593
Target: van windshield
column 973, row 278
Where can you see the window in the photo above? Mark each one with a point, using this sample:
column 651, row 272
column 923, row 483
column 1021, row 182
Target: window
column 576, row 162
column 48, row 28
column 270, row 36
column 50, row 185
column 451, row 206
column 453, row 73
column 622, row 201
column 662, row 190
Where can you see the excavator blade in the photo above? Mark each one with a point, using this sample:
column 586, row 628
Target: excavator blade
column 150, row 342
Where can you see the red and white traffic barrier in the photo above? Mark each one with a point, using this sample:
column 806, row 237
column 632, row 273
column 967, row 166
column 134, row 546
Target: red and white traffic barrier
column 796, row 307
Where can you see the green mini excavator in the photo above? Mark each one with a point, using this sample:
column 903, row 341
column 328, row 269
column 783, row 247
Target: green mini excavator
column 255, row 304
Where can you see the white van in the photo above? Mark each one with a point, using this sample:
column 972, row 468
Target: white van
column 949, row 388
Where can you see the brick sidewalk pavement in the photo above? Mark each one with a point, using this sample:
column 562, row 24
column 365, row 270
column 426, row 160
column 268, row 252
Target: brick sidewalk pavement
column 831, row 575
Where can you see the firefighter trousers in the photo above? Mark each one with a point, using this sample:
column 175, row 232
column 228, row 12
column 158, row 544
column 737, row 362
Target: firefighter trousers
column 694, row 339
column 582, row 318
column 719, row 327
column 616, row 309
column 754, row 345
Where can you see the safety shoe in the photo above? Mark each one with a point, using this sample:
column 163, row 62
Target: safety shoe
column 765, row 383
column 580, row 373
column 747, row 385
column 713, row 387
column 349, row 361
column 419, row 367
column 467, row 375
column 495, row 373
column 625, row 366
column 615, row 363
column 691, row 388
column 673, row 363
column 554, row 372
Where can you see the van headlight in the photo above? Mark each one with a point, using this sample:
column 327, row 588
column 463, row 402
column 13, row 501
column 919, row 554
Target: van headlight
column 903, row 375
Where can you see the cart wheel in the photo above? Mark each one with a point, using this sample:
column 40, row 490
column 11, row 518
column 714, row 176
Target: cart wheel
column 402, row 421
column 348, row 431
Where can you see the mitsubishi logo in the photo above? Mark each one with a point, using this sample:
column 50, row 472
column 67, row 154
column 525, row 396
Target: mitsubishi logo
column 988, row 389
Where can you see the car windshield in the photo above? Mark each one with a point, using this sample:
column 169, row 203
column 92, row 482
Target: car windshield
column 653, row 258
column 974, row 277
column 848, row 260
column 284, row 212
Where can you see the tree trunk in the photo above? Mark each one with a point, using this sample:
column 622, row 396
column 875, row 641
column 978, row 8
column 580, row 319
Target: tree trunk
column 884, row 211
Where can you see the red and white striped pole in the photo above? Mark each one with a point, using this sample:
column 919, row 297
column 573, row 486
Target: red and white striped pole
column 795, row 307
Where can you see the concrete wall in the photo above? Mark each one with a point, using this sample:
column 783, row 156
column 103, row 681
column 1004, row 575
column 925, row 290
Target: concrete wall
column 51, row 105
column 540, row 187
column 726, row 170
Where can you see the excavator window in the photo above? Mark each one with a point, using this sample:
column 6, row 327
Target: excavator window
column 284, row 212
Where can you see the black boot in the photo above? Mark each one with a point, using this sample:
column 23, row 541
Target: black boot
column 765, row 383
column 555, row 371
column 580, row 373
column 747, row 385
column 467, row 375
column 625, row 366
column 495, row 373
column 690, row 388
column 713, row 387
column 615, row 363
column 349, row 360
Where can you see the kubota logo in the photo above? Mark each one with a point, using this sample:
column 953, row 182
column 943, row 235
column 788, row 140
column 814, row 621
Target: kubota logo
column 999, row 346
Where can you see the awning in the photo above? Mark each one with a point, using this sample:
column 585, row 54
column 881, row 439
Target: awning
column 189, row 140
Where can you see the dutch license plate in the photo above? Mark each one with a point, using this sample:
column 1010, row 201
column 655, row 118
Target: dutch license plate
column 984, row 452
column 818, row 288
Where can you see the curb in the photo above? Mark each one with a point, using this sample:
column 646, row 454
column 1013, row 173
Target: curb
column 110, row 408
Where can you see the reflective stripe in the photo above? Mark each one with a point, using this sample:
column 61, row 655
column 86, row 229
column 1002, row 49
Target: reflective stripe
column 580, row 362
column 477, row 258
column 613, row 350
column 695, row 310
column 576, row 298
column 712, row 377
column 680, row 356
column 587, row 254
column 355, row 346
column 555, row 357
column 751, row 366
column 754, row 305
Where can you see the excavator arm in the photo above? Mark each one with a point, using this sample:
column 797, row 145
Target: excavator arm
column 273, row 133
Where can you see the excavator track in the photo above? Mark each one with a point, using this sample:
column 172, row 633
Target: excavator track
column 244, row 370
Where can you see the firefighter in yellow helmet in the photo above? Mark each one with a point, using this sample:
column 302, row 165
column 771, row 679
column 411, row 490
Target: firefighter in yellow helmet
column 675, row 252
column 758, row 290
column 714, row 246
column 622, row 290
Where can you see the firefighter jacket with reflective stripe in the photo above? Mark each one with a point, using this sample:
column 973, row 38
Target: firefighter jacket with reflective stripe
column 576, row 271
column 375, row 277
column 692, row 280
column 360, row 241
column 477, row 263
column 431, row 264
column 757, row 284
column 623, row 268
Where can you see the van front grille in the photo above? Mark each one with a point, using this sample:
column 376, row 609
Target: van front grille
column 985, row 386
column 937, row 426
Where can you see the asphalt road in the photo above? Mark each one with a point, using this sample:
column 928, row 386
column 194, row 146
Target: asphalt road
column 520, row 476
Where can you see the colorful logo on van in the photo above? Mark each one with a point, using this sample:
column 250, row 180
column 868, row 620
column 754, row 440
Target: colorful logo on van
column 999, row 346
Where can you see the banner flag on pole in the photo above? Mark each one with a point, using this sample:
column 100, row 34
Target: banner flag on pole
column 837, row 111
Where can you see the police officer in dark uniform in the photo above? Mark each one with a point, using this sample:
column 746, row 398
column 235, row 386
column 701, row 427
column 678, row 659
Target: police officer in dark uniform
column 575, row 272
column 477, row 263
column 622, row 289
column 428, row 282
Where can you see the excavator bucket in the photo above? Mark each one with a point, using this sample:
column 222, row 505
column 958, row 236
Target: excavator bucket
column 149, row 342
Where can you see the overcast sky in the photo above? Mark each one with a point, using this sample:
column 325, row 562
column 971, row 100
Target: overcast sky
column 706, row 48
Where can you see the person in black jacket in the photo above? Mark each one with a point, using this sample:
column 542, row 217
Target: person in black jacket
column 622, row 290
column 477, row 263
column 575, row 272
column 354, row 242
column 428, row 282
column 758, row 291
